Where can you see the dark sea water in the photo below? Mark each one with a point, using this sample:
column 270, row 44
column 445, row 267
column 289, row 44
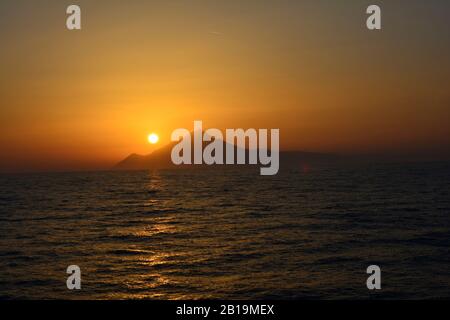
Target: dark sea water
column 191, row 234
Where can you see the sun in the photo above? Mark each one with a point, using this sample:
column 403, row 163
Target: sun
column 153, row 138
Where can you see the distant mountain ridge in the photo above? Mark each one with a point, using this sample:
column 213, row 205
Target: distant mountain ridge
column 161, row 159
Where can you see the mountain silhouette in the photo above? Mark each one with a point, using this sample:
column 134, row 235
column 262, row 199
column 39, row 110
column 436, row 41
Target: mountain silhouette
column 161, row 158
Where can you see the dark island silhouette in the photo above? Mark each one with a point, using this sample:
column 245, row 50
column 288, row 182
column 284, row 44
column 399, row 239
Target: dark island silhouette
column 161, row 159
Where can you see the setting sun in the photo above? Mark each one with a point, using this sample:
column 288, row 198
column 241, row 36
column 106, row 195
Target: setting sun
column 153, row 138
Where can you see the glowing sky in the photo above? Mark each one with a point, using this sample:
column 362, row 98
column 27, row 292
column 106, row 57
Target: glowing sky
column 86, row 99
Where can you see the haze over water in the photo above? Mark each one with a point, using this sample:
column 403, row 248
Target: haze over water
column 190, row 234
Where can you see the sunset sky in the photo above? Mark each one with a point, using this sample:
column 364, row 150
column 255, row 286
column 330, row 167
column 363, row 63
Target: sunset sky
column 86, row 99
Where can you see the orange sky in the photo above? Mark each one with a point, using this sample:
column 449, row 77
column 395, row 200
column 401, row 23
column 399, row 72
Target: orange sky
column 86, row 99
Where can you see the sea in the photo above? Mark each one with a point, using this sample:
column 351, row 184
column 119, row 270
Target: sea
column 307, row 233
